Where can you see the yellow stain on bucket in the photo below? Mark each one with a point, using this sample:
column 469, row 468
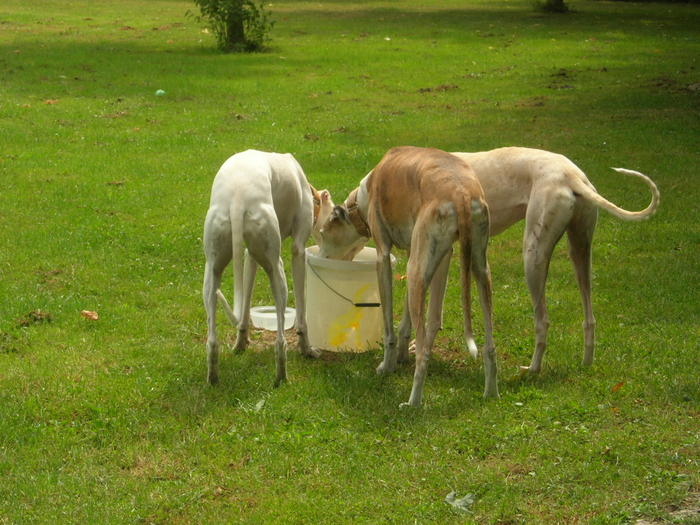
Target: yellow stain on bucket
column 344, row 327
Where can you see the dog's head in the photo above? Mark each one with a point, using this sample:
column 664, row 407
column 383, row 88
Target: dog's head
column 323, row 206
column 340, row 238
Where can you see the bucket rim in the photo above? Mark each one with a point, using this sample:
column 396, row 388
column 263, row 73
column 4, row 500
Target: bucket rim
column 334, row 264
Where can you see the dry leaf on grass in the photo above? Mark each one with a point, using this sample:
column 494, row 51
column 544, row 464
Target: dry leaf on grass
column 89, row 314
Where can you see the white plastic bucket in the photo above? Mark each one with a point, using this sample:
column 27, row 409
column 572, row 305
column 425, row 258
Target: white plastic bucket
column 265, row 317
column 333, row 289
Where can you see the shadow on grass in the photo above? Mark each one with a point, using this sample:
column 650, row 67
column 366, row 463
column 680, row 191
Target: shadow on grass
column 418, row 24
column 79, row 60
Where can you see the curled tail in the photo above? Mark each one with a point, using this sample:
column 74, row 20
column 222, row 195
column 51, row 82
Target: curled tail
column 465, row 224
column 590, row 194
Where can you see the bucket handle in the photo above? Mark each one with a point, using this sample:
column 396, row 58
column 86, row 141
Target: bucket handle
column 336, row 292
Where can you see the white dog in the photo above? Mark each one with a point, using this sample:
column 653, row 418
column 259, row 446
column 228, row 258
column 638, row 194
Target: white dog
column 553, row 196
column 421, row 200
column 257, row 200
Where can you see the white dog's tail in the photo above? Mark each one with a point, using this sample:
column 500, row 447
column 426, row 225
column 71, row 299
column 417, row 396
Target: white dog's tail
column 465, row 258
column 227, row 308
column 590, row 194
column 237, row 218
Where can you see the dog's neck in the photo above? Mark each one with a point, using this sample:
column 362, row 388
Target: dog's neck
column 355, row 214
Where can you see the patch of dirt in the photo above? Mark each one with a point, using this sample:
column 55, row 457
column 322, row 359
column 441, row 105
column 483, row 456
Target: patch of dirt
column 687, row 512
column 263, row 340
column 560, row 79
column 50, row 278
column 438, row 89
column 34, row 317
column 532, row 102
column 673, row 85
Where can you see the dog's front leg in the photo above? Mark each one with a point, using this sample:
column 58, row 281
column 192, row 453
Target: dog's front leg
column 388, row 365
column 299, row 276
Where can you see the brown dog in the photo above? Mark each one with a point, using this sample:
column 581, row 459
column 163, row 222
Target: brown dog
column 421, row 200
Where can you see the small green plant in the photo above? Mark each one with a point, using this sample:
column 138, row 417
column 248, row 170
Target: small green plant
column 239, row 25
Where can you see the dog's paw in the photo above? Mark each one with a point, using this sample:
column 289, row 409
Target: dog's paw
column 311, row 352
column 241, row 342
column 384, row 368
column 526, row 370
column 408, row 406
column 492, row 394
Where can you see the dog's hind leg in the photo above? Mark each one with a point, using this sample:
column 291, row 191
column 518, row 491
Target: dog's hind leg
column 246, row 293
column 212, row 281
column 548, row 215
column 278, row 282
column 580, row 233
column 482, row 275
column 429, row 249
column 217, row 249
column 262, row 236
column 404, row 342
column 437, row 295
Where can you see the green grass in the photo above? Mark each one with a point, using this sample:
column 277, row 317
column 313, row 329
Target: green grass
column 103, row 191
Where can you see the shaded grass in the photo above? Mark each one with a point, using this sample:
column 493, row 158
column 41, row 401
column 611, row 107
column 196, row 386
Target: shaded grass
column 103, row 190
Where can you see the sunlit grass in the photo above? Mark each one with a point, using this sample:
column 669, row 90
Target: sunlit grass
column 103, row 191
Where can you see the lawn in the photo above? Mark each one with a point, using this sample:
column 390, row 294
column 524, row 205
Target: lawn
column 103, row 191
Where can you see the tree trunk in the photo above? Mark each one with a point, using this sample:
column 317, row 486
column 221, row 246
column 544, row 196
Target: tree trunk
column 556, row 6
column 235, row 35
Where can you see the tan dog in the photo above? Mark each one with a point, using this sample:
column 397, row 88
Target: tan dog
column 553, row 196
column 421, row 200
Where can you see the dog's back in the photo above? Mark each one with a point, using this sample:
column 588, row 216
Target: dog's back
column 407, row 177
column 253, row 179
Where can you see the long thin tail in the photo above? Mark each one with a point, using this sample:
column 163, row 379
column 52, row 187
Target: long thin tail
column 227, row 308
column 465, row 258
column 237, row 218
column 590, row 194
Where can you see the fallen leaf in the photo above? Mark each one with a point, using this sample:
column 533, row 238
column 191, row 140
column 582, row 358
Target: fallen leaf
column 617, row 387
column 89, row 314
column 400, row 277
column 51, row 101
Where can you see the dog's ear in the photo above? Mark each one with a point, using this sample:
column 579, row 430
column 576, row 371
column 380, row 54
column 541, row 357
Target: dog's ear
column 325, row 195
column 315, row 194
